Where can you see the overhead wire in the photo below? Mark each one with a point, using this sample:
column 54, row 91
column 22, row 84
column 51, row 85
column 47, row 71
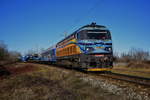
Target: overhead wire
column 87, row 15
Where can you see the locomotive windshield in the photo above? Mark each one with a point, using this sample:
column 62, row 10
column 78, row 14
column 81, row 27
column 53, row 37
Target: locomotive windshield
column 99, row 35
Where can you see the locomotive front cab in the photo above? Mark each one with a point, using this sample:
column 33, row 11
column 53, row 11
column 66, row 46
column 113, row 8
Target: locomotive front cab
column 96, row 46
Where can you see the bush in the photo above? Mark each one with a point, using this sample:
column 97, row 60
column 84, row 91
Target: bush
column 7, row 56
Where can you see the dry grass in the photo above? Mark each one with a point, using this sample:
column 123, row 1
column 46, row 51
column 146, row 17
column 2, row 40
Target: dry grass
column 47, row 83
column 141, row 69
column 136, row 71
column 141, row 65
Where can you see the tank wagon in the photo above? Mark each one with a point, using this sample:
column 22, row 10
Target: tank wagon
column 89, row 48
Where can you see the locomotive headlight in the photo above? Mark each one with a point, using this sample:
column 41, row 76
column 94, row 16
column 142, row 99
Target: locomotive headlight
column 108, row 48
column 88, row 49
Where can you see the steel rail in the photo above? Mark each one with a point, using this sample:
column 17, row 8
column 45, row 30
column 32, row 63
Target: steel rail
column 129, row 78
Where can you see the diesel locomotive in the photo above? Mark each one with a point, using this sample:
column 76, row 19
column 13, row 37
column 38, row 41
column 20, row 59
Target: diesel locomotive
column 89, row 48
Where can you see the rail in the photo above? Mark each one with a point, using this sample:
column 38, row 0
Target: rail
column 128, row 78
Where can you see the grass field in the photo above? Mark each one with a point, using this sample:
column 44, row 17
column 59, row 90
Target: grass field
column 142, row 72
column 40, row 82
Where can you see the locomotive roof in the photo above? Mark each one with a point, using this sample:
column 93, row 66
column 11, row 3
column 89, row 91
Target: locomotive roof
column 92, row 25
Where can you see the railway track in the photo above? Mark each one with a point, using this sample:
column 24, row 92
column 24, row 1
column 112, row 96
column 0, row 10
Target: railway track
column 128, row 78
column 117, row 76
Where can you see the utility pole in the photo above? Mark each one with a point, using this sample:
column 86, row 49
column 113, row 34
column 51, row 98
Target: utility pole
column 65, row 34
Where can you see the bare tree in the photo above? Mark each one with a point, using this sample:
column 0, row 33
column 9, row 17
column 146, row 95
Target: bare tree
column 116, row 56
column 125, row 57
column 136, row 55
column 3, row 51
column 30, row 52
column 139, row 54
column 14, row 55
column 7, row 56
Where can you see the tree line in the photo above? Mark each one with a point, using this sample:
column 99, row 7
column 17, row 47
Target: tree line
column 137, row 55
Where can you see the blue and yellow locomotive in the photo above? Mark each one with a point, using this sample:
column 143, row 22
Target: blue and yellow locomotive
column 89, row 48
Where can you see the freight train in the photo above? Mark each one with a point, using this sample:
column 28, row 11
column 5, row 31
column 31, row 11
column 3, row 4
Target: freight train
column 89, row 48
